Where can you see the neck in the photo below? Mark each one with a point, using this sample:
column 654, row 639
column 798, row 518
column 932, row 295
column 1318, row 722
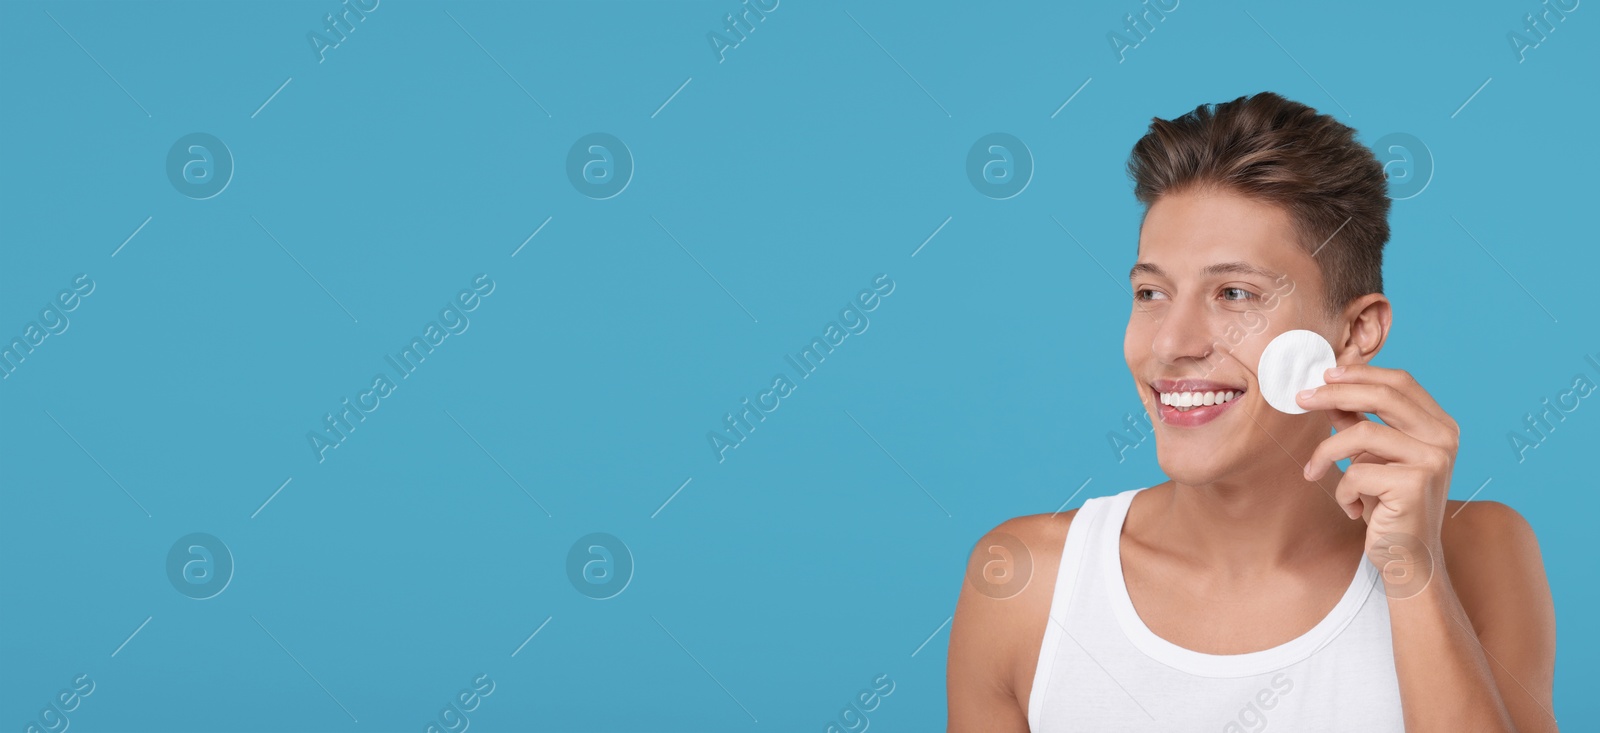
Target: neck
column 1254, row 524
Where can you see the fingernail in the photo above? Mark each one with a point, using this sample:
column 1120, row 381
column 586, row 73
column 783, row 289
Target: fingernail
column 1306, row 394
column 1336, row 371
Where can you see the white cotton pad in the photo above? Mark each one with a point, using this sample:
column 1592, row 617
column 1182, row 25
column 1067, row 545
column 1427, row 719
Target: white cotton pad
column 1294, row 361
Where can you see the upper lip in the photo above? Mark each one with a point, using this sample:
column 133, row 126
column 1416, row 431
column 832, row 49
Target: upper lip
column 1193, row 385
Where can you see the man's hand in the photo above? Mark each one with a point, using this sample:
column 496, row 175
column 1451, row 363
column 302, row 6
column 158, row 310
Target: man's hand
column 1399, row 475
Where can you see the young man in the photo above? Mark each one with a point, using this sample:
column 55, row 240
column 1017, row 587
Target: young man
column 1260, row 585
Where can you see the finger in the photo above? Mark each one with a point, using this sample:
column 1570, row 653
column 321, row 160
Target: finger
column 1367, row 485
column 1344, row 419
column 1398, row 379
column 1378, row 399
column 1368, row 437
column 1356, row 488
column 1382, row 400
column 1363, row 488
column 1369, row 442
column 1368, row 503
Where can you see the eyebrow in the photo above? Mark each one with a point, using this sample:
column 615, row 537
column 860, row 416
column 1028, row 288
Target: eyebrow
column 1220, row 268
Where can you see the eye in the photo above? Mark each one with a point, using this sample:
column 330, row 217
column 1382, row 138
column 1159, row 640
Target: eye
column 1237, row 294
column 1147, row 294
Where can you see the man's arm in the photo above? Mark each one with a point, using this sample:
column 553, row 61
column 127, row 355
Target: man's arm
column 1485, row 624
column 1474, row 646
column 999, row 623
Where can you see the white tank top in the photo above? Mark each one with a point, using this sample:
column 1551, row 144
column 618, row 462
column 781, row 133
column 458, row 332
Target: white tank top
column 1100, row 668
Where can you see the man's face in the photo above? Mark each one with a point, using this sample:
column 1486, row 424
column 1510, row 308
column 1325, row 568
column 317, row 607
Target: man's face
column 1217, row 278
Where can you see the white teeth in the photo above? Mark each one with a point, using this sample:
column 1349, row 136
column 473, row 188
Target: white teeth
column 1184, row 400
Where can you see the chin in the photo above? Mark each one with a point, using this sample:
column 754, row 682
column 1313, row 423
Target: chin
column 1195, row 467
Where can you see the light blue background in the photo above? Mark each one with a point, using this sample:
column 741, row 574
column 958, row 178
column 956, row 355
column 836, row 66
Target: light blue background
column 806, row 564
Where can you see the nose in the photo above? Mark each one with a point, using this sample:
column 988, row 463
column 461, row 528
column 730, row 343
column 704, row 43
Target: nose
column 1184, row 333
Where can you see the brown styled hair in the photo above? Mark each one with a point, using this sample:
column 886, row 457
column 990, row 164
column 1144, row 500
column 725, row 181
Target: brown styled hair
column 1278, row 151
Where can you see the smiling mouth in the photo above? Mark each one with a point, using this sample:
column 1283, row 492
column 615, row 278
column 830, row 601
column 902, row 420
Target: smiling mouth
column 1186, row 401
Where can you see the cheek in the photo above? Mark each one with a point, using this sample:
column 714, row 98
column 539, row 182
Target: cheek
column 1247, row 346
column 1136, row 341
column 1249, row 349
column 1242, row 339
column 1247, row 334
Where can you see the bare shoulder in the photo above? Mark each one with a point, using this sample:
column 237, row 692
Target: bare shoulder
column 1494, row 562
column 1486, row 541
column 1494, row 565
column 1043, row 534
column 1483, row 520
column 1015, row 565
column 1000, row 619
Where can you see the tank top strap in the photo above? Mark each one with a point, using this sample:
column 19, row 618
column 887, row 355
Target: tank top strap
column 1084, row 541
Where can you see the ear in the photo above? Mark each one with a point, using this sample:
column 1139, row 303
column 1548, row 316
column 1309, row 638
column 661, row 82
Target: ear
column 1365, row 328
